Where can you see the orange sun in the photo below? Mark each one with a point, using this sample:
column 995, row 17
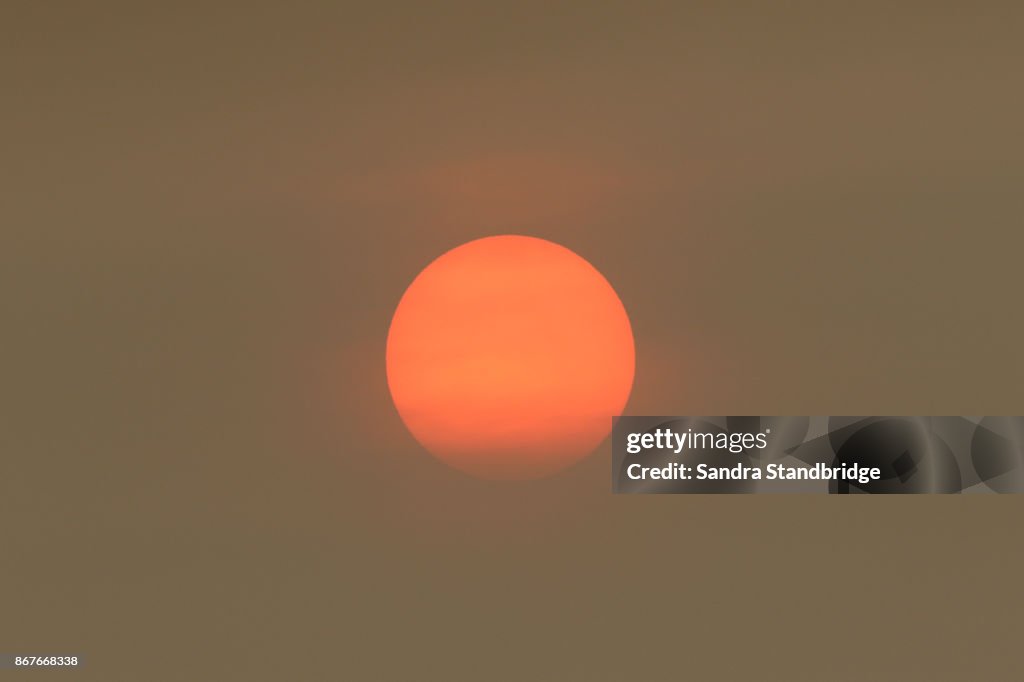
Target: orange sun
column 508, row 356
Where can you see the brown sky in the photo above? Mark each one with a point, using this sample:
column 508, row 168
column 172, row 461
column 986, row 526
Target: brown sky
column 210, row 212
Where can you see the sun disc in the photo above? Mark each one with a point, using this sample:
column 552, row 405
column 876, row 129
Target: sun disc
column 508, row 356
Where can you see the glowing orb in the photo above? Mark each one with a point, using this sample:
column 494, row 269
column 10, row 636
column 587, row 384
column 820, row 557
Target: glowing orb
column 508, row 356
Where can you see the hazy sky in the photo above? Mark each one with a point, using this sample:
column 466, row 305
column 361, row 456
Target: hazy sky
column 210, row 213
